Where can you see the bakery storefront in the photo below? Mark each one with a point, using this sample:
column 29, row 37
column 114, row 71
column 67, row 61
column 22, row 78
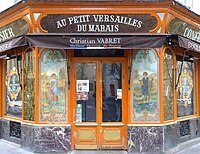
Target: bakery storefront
column 85, row 75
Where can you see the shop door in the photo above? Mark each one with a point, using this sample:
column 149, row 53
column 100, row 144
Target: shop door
column 98, row 121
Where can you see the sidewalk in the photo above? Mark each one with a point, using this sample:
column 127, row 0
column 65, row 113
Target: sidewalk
column 195, row 149
column 7, row 147
column 11, row 148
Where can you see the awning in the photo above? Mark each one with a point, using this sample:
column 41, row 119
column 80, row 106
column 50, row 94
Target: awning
column 98, row 41
column 89, row 41
column 10, row 44
column 188, row 44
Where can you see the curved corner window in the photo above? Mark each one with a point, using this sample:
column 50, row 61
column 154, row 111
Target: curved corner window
column 168, row 82
column 13, row 91
column 185, row 86
column 53, row 86
column 29, row 85
column 144, row 86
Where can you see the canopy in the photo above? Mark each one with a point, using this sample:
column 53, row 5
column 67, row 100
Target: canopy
column 189, row 44
column 88, row 41
column 98, row 41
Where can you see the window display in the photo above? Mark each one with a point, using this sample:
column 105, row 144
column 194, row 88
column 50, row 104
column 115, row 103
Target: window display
column 185, row 87
column 13, row 95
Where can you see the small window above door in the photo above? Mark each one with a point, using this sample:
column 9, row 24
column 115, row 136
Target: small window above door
column 98, row 53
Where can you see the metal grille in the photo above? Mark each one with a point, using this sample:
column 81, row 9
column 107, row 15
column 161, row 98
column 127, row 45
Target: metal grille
column 184, row 128
column 15, row 129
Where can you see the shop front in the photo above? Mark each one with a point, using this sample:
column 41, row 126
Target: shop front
column 94, row 76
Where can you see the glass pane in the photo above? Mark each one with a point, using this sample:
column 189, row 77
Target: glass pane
column 53, row 86
column 85, row 92
column 98, row 53
column 168, row 80
column 112, row 92
column 144, row 85
column 185, row 89
column 13, row 95
column 29, row 85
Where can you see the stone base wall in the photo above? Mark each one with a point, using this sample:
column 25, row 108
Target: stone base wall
column 5, row 132
column 41, row 139
column 160, row 139
column 145, row 139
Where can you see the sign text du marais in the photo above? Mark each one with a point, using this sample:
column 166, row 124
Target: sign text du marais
column 98, row 23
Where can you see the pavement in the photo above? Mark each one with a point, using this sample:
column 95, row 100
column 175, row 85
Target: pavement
column 195, row 149
column 7, row 147
column 11, row 148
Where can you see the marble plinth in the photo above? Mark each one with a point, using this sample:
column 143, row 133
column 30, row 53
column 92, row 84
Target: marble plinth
column 159, row 139
column 145, row 139
column 5, row 131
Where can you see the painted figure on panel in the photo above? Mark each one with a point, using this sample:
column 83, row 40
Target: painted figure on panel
column 144, row 79
column 53, row 86
column 54, row 89
column 145, row 85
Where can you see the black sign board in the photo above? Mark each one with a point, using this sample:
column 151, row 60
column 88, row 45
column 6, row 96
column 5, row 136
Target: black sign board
column 177, row 26
column 98, row 23
column 14, row 29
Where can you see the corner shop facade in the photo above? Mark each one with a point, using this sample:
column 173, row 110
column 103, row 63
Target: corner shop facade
column 99, row 75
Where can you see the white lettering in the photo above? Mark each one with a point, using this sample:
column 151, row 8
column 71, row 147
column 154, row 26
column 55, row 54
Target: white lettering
column 192, row 34
column 194, row 46
column 6, row 34
column 5, row 46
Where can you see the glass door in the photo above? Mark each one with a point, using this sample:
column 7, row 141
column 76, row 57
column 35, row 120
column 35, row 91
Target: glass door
column 99, row 119
column 86, row 120
column 112, row 92
column 111, row 127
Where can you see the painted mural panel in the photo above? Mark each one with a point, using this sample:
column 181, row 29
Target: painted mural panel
column 13, row 97
column 29, row 85
column 144, row 86
column 168, row 81
column 53, row 86
column 185, row 87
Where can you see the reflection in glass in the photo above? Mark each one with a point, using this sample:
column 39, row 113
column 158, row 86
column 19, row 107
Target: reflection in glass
column 29, row 85
column 144, row 86
column 168, row 80
column 112, row 92
column 185, row 90
column 13, row 95
column 53, row 86
column 85, row 92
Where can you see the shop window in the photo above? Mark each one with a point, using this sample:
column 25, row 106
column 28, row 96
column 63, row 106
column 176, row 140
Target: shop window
column 13, row 91
column 168, row 81
column 53, row 86
column 144, row 86
column 29, row 85
column 185, row 86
